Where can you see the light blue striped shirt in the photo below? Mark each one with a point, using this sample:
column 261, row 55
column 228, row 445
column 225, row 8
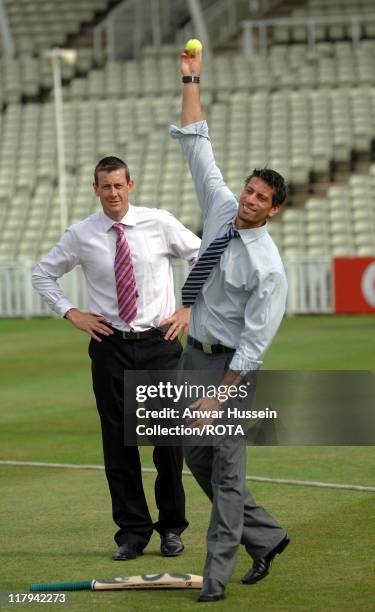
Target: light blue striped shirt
column 242, row 302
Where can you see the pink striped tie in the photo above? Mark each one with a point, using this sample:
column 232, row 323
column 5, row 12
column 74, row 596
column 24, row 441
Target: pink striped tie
column 126, row 286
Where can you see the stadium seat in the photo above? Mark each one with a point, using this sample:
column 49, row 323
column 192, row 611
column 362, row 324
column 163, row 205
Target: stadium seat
column 35, row 27
column 302, row 123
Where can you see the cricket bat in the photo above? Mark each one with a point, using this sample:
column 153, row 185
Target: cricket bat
column 147, row 581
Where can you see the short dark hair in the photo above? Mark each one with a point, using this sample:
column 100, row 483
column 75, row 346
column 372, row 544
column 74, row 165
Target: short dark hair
column 110, row 164
column 272, row 179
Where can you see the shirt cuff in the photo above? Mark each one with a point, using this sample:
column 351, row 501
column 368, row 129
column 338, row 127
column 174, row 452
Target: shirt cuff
column 241, row 364
column 62, row 306
column 200, row 128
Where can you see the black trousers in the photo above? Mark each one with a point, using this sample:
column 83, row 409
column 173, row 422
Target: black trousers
column 110, row 358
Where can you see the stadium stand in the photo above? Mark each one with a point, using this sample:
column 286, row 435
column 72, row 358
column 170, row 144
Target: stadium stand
column 328, row 9
column 41, row 24
column 299, row 109
column 28, row 135
column 286, row 67
column 333, row 7
column 342, row 224
column 27, row 77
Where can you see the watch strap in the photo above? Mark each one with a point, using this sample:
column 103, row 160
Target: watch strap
column 191, row 79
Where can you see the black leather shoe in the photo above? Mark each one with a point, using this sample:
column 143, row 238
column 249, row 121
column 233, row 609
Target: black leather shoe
column 171, row 545
column 261, row 567
column 212, row 590
column 126, row 551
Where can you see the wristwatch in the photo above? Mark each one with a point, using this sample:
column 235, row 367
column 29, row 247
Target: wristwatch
column 191, row 79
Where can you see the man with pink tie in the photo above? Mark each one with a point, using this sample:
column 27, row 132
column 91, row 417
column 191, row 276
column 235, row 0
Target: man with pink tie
column 126, row 254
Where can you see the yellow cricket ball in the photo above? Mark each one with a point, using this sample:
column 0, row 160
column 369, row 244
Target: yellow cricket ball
column 192, row 45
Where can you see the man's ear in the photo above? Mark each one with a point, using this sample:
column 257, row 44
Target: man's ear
column 95, row 189
column 130, row 184
column 274, row 210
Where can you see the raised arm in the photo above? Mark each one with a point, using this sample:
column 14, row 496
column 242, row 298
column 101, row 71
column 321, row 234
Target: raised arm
column 196, row 145
column 191, row 111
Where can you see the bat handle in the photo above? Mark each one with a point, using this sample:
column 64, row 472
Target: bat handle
column 83, row 585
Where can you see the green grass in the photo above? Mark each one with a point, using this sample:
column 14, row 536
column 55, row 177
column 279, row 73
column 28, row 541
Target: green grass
column 58, row 528
column 56, row 524
column 323, row 343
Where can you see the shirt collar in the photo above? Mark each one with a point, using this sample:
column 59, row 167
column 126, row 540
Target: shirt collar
column 251, row 234
column 128, row 219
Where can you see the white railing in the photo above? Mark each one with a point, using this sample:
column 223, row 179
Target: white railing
column 309, row 288
column 257, row 34
column 18, row 298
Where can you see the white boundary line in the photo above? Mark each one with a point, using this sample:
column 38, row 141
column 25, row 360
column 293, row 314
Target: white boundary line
column 301, row 483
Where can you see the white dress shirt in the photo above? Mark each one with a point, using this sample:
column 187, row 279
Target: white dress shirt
column 243, row 300
column 154, row 237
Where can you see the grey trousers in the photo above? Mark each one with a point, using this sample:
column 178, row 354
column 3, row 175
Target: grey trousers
column 220, row 470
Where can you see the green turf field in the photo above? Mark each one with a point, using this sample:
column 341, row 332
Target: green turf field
column 56, row 523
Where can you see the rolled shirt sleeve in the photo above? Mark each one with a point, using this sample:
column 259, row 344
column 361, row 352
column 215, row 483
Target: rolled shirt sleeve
column 208, row 180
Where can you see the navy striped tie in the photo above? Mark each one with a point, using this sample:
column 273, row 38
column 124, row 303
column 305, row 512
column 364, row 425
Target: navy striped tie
column 204, row 265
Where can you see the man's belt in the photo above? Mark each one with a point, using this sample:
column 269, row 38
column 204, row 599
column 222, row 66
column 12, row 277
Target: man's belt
column 141, row 335
column 209, row 349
